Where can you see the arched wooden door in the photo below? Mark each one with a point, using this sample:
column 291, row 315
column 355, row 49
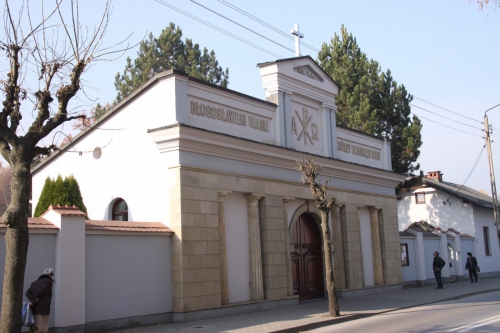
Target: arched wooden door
column 307, row 258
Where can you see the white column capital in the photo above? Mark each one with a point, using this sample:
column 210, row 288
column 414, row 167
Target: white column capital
column 253, row 198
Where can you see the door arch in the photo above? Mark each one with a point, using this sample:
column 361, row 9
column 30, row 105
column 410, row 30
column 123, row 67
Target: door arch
column 307, row 258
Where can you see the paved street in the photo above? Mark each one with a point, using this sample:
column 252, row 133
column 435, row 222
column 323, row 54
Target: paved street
column 479, row 313
column 313, row 314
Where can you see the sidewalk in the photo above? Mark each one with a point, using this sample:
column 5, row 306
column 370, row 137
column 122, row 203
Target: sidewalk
column 313, row 314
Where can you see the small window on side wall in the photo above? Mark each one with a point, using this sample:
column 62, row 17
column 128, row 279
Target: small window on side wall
column 404, row 255
column 420, row 198
column 120, row 210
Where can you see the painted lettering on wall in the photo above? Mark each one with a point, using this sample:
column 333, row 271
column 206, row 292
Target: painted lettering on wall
column 305, row 72
column 357, row 150
column 209, row 111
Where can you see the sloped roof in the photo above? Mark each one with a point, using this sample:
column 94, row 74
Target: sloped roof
column 463, row 192
column 155, row 227
column 36, row 223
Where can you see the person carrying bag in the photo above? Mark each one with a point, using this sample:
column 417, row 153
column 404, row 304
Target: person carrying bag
column 40, row 296
column 472, row 266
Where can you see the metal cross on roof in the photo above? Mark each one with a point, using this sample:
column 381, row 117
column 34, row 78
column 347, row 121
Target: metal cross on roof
column 298, row 35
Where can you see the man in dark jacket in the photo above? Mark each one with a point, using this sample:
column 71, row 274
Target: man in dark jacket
column 40, row 296
column 471, row 265
column 437, row 266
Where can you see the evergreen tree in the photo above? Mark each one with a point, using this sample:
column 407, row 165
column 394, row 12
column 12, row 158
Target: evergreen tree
column 60, row 192
column 46, row 197
column 165, row 52
column 371, row 101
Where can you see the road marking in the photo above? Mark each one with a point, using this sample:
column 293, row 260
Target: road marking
column 480, row 323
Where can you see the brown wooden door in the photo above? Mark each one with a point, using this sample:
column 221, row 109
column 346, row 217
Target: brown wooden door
column 307, row 259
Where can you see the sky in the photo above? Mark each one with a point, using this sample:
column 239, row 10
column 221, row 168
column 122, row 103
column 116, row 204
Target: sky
column 444, row 52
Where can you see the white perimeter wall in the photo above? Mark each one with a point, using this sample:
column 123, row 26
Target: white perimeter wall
column 366, row 246
column 458, row 215
column 410, row 272
column 41, row 255
column 431, row 245
column 238, row 264
column 126, row 276
column 484, row 218
column 130, row 166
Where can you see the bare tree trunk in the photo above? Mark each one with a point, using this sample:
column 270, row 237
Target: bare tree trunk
column 16, row 243
column 333, row 305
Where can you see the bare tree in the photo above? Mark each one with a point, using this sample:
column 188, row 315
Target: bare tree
column 482, row 4
column 50, row 55
column 310, row 172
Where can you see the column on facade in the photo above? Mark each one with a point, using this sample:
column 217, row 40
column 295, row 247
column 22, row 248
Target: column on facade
column 255, row 253
column 457, row 248
column 338, row 248
column 419, row 256
column 289, row 277
column 224, row 286
column 378, row 269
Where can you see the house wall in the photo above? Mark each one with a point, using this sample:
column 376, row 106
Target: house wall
column 126, row 276
column 458, row 215
column 130, row 165
column 488, row 263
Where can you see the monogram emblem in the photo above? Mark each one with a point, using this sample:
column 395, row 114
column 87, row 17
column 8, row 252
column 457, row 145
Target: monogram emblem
column 304, row 120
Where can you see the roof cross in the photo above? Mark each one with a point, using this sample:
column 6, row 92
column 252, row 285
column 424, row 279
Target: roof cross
column 298, row 35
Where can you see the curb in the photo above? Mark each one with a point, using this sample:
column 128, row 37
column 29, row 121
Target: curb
column 348, row 317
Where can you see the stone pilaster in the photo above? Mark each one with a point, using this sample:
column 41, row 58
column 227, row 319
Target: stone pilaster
column 378, row 270
column 255, row 253
column 224, row 286
column 390, row 244
column 338, row 248
column 289, row 278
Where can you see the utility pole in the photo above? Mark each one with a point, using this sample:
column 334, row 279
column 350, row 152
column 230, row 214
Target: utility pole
column 492, row 172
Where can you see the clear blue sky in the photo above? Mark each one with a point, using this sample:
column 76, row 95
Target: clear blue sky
column 444, row 52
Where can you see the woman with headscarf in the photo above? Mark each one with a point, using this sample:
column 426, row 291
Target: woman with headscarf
column 40, row 296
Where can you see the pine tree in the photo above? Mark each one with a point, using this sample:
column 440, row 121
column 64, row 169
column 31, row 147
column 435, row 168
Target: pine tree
column 371, row 101
column 46, row 197
column 60, row 192
column 166, row 52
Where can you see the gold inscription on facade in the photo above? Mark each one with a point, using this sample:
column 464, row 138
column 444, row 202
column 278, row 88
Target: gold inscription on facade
column 304, row 120
column 209, row 111
column 357, row 150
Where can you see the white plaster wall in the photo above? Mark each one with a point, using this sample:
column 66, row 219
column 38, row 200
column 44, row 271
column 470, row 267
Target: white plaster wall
column 130, row 167
column 126, row 276
column 431, row 245
column 235, row 212
column 410, row 272
column 41, row 255
column 468, row 246
column 458, row 215
column 484, row 218
column 366, row 246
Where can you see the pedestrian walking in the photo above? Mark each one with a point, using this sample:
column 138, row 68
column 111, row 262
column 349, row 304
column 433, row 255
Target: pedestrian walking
column 437, row 265
column 40, row 296
column 472, row 266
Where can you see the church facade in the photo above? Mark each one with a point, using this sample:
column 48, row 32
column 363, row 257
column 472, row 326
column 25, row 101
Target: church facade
column 218, row 168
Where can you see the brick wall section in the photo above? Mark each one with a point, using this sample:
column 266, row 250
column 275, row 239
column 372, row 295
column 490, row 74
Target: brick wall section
column 389, row 240
column 196, row 262
column 352, row 247
column 272, row 232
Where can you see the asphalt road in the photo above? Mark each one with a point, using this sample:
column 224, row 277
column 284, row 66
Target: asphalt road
column 479, row 313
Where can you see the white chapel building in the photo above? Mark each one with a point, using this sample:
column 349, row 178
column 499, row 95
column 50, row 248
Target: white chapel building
column 218, row 168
